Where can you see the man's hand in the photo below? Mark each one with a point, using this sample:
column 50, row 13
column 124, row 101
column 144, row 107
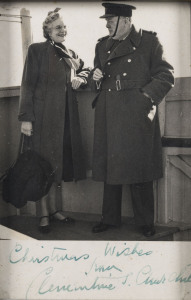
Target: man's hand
column 26, row 128
column 152, row 112
column 76, row 82
column 97, row 74
column 152, row 108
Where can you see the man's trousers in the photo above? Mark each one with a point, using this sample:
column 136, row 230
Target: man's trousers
column 142, row 202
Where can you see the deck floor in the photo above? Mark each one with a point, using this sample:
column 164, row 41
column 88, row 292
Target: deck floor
column 82, row 230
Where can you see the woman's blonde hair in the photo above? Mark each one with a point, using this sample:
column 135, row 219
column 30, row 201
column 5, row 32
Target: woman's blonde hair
column 51, row 17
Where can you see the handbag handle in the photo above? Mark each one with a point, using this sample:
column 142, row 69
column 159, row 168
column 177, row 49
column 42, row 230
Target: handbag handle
column 25, row 143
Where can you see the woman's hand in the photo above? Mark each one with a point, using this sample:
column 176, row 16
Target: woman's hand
column 97, row 74
column 26, row 128
column 76, row 82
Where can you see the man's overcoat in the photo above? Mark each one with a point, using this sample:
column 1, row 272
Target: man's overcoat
column 44, row 90
column 127, row 144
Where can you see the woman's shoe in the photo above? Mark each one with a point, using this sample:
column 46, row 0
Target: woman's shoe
column 45, row 228
column 58, row 215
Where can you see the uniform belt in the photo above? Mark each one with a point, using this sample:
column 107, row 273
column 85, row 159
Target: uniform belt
column 123, row 84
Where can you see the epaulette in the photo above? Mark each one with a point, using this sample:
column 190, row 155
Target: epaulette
column 149, row 32
column 103, row 38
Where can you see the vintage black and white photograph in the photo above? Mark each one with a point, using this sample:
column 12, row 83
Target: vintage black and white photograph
column 96, row 97
column 95, row 127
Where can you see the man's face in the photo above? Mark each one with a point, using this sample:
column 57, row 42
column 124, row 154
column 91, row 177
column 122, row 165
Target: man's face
column 123, row 25
column 58, row 31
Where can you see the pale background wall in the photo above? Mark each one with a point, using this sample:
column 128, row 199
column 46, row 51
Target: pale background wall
column 170, row 20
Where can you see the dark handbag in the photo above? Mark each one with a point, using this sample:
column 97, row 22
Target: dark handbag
column 28, row 179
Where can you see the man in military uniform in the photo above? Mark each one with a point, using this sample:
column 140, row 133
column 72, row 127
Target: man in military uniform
column 131, row 78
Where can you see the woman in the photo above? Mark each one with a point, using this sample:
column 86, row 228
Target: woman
column 48, row 110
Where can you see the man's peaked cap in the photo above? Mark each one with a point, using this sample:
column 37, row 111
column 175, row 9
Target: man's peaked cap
column 115, row 9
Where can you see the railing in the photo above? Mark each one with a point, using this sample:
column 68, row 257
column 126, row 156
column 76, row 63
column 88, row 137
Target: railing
column 10, row 92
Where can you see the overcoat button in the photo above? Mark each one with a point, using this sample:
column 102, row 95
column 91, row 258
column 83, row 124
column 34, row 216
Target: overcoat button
column 129, row 60
column 124, row 74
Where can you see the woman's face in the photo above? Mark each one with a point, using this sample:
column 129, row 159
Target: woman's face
column 58, row 31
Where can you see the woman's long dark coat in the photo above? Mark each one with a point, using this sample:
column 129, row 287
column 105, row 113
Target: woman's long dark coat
column 43, row 97
column 127, row 145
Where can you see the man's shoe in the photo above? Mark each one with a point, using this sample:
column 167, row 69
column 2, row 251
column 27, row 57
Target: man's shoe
column 148, row 231
column 100, row 227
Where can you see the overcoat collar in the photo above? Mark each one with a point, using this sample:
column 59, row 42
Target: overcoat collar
column 128, row 45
